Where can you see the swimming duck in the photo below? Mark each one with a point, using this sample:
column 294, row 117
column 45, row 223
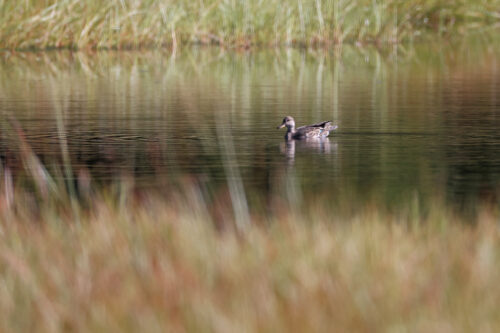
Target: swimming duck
column 319, row 130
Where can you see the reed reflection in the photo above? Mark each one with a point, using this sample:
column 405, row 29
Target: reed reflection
column 153, row 115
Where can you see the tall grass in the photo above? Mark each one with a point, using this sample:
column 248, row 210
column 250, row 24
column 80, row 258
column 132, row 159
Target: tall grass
column 154, row 263
column 137, row 23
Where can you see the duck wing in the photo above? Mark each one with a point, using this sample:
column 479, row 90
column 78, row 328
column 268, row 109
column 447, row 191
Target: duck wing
column 315, row 130
column 321, row 124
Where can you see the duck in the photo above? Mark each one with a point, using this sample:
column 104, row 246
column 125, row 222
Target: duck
column 315, row 131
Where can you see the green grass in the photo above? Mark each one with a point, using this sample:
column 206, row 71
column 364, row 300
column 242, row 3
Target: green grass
column 234, row 23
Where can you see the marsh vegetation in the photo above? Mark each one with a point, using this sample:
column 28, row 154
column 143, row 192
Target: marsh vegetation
column 228, row 23
column 132, row 261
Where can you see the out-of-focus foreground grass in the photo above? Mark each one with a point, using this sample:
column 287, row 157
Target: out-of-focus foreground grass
column 132, row 24
column 119, row 259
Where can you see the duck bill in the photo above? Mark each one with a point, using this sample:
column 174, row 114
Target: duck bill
column 281, row 126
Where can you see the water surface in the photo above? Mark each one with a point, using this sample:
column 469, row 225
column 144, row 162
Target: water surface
column 414, row 122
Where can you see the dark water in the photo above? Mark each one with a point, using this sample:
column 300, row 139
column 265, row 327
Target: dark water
column 420, row 121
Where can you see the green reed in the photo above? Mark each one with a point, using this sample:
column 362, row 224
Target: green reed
column 231, row 23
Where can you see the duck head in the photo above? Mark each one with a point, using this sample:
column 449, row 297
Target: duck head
column 289, row 123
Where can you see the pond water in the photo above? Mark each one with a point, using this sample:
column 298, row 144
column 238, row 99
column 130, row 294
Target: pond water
column 414, row 121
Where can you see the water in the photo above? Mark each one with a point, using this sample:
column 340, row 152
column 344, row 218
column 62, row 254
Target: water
column 414, row 122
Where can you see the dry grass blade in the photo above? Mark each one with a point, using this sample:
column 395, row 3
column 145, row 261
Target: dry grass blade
column 39, row 174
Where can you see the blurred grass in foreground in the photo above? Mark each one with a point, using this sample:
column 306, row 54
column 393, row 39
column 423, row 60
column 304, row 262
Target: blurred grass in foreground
column 150, row 23
column 77, row 258
column 154, row 263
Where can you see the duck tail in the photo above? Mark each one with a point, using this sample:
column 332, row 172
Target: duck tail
column 331, row 127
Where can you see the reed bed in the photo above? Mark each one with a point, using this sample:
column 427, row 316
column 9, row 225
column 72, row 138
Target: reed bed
column 229, row 23
column 147, row 262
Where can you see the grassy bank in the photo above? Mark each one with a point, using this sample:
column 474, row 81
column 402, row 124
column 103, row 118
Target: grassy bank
column 151, row 23
column 153, row 263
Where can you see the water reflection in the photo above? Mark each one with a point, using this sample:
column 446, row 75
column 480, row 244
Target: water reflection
column 317, row 145
column 416, row 120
